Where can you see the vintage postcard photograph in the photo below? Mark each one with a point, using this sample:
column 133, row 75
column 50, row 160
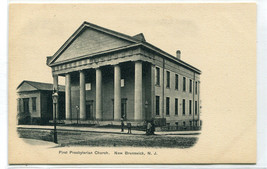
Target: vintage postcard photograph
column 170, row 83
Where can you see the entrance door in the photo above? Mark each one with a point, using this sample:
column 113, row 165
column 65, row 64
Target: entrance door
column 26, row 106
column 25, row 117
column 124, row 109
column 89, row 110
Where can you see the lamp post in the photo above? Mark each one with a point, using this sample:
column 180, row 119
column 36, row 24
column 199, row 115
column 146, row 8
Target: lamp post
column 55, row 100
column 77, row 109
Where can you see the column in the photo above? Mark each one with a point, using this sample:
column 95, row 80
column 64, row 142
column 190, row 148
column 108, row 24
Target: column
column 68, row 96
column 138, row 114
column 55, row 88
column 82, row 96
column 152, row 75
column 98, row 94
column 117, row 92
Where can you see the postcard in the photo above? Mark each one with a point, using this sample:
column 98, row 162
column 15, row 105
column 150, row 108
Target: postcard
column 166, row 83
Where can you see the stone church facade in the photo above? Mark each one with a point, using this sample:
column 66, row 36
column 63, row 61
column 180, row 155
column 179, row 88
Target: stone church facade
column 110, row 76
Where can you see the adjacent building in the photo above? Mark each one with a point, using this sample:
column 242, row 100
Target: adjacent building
column 110, row 76
column 35, row 105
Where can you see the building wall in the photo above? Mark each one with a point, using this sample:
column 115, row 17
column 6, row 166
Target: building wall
column 47, row 105
column 31, row 116
column 30, row 95
column 172, row 93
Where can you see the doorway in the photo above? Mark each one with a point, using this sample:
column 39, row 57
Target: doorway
column 89, row 110
column 25, row 116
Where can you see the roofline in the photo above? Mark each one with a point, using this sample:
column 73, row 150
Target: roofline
column 93, row 26
column 169, row 56
column 95, row 54
column 24, row 82
column 119, row 35
column 35, row 86
column 149, row 46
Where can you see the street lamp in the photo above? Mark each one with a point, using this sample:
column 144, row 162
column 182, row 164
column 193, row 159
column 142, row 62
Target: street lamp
column 77, row 109
column 55, row 101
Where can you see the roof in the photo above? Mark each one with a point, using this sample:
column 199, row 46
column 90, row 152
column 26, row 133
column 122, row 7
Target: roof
column 138, row 39
column 42, row 86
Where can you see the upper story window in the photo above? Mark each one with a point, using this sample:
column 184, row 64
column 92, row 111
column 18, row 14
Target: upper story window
column 168, row 79
column 184, row 84
column 34, row 104
column 88, row 86
column 190, row 86
column 176, row 81
column 157, row 76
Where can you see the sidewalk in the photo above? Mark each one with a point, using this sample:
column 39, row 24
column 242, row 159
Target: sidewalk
column 107, row 130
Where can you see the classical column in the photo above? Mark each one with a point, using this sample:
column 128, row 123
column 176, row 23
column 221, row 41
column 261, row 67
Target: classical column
column 82, row 96
column 117, row 92
column 68, row 96
column 98, row 94
column 138, row 114
column 55, row 89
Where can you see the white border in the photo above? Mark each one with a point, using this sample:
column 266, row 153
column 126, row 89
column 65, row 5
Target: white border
column 131, row 1
column 261, row 83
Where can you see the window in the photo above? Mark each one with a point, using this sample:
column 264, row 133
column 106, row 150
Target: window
column 183, row 106
column 168, row 125
column 190, row 107
column 195, row 107
column 176, row 107
column 184, row 84
column 167, row 106
column 184, row 123
column 157, row 76
column 190, row 123
column 157, row 105
column 122, row 82
column 196, row 88
column 168, row 79
column 190, row 86
column 88, row 86
column 34, row 104
column 176, row 82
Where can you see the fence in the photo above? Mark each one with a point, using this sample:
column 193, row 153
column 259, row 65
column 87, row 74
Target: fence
column 180, row 128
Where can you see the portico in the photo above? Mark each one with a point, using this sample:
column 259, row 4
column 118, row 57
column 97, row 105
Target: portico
column 112, row 93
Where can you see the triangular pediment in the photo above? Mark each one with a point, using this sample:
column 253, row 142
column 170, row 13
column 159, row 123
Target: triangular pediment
column 25, row 87
column 89, row 40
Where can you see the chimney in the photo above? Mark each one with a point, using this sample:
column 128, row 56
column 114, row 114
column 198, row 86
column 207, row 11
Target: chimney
column 178, row 54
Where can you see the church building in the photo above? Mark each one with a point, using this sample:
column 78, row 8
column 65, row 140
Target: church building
column 111, row 76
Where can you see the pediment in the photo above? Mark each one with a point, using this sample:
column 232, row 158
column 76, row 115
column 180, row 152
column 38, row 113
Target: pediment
column 89, row 41
column 25, row 87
